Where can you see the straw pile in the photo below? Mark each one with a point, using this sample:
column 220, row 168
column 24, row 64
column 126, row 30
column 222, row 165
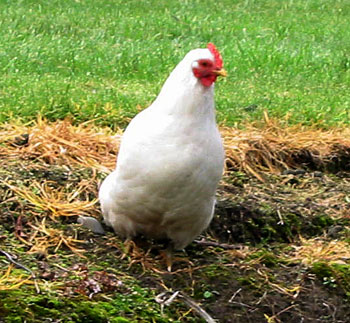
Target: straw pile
column 274, row 149
column 61, row 143
column 270, row 148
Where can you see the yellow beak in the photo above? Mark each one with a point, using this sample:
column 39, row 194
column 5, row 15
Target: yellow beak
column 220, row 72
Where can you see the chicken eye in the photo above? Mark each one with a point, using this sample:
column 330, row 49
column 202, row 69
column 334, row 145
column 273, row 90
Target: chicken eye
column 205, row 64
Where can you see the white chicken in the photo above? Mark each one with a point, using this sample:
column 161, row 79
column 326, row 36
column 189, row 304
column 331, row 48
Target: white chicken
column 171, row 159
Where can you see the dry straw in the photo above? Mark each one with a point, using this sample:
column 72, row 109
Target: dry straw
column 61, row 143
column 11, row 281
column 267, row 148
column 274, row 148
column 317, row 249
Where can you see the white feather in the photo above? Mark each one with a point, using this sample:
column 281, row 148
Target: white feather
column 169, row 163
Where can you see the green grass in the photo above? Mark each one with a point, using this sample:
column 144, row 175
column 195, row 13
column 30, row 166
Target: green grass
column 99, row 59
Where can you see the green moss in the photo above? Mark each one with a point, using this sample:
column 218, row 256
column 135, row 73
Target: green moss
column 321, row 269
column 252, row 282
column 213, row 270
column 137, row 305
column 322, row 221
column 238, row 179
column 333, row 275
column 265, row 257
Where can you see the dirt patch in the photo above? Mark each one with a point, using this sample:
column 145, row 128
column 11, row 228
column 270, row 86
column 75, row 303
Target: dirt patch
column 282, row 208
column 277, row 250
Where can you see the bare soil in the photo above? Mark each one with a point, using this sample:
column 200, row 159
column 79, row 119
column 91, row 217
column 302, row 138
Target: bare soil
column 276, row 251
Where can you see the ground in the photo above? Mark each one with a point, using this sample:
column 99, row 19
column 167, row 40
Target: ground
column 277, row 249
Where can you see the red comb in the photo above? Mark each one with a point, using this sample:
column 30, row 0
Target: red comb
column 217, row 55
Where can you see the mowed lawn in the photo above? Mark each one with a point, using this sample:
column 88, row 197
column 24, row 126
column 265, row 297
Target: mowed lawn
column 104, row 60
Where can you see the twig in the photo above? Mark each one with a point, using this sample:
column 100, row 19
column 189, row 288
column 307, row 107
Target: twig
column 62, row 268
column 261, row 298
column 273, row 317
column 191, row 303
column 243, row 305
column 234, row 295
column 10, row 258
column 281, row 222
column 225, row 246
column 332, row 309
column 163, row 300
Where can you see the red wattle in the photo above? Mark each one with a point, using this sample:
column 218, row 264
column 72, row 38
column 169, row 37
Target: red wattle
column 208, row 80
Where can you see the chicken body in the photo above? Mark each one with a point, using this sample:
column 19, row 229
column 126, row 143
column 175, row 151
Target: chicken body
column 169, row 164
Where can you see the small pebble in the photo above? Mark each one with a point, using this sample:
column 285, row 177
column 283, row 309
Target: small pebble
column 335, row 231
column 91, row 223
column 294, row 172
column 318, row 174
